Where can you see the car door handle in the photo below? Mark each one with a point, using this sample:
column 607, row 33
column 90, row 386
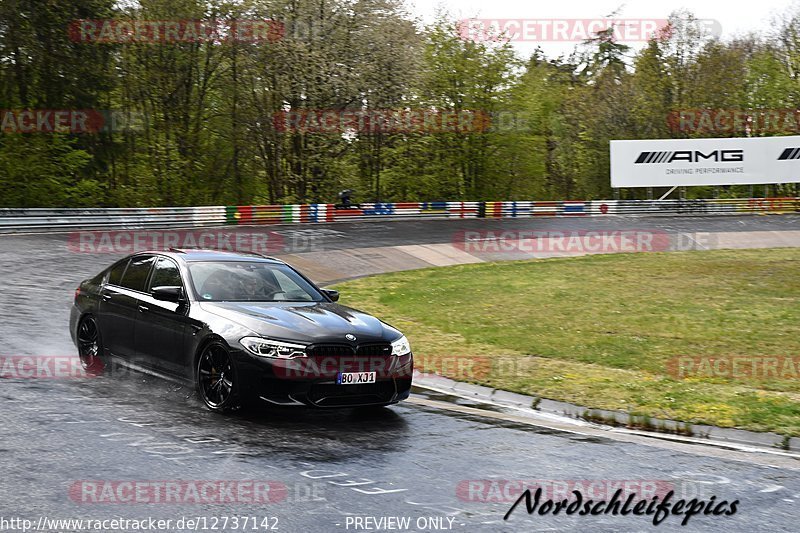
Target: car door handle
column 143, row 308
column 106, row 297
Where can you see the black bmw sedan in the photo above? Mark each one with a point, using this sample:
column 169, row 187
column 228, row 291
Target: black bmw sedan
column 244, row 329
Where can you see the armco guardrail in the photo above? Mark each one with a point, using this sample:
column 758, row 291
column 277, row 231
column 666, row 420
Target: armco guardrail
column 52, row 220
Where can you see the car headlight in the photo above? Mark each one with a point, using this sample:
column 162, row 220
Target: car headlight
column 401, row 346
column 275, row 349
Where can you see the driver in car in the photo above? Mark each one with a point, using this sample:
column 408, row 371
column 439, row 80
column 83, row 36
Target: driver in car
column 254, row 285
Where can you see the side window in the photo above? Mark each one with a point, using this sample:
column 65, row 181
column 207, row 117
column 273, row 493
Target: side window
column 115, row 277
column 166, row 274
column 135, row 277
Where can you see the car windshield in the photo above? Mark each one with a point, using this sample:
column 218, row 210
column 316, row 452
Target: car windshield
column 250, row 281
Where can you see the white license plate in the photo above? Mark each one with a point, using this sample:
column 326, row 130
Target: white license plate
column 355, row 378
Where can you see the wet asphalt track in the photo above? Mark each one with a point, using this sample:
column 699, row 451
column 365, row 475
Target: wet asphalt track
column 406, row 461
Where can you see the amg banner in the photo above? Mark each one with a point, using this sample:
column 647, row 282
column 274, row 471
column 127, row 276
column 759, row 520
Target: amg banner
column 729, row 161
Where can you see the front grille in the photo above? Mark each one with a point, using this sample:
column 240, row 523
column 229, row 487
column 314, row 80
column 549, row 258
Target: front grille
column 374, row 350
column 330, row 350
column 346, row 350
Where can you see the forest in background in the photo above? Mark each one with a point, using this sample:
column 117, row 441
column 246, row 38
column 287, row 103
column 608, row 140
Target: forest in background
column 201, row 126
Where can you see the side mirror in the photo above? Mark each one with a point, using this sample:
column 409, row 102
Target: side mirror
column 167, row 294
column 332, row 294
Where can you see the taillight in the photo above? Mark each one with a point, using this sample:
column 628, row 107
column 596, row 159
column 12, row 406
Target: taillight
column 77, row 292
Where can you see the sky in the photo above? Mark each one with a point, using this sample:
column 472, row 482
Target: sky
column 731, row 17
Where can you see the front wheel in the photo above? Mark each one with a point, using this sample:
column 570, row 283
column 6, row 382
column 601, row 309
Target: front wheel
column 90, row 346
column 216, row 379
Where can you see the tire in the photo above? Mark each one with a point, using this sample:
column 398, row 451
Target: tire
column 217, row 379
column 90, row 346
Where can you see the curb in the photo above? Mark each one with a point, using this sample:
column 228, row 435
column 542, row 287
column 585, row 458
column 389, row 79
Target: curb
column 574, row 413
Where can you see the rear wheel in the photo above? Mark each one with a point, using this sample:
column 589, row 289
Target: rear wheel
column 90, row 346
column 216, row 379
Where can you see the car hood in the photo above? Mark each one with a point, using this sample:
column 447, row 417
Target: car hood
column 309, row 322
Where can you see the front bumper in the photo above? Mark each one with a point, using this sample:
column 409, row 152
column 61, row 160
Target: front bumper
column 312, row 381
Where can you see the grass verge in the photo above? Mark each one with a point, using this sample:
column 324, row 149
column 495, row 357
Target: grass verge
column 606, row 331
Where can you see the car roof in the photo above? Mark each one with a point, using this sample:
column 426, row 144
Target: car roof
column 199, row 254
